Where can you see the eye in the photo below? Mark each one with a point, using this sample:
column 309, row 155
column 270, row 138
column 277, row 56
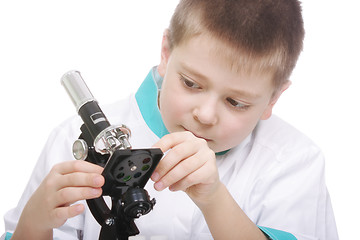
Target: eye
column 237, row 104
column 188, row 83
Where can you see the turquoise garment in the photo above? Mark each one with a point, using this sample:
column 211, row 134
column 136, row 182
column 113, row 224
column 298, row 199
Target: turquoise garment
column 147, row 100
column 8, row 236
column 277, row 234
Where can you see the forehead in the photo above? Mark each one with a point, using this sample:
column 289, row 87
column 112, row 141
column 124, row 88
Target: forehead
column 207, row 57
column 242, row 61
column 236, row 59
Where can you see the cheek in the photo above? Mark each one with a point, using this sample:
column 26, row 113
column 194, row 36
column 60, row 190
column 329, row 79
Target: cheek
column 173, row 106
column 235, row 129
column 170, row 107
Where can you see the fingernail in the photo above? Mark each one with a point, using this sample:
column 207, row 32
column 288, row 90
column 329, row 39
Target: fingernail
column 155, row 176
column 159, row 186
column 97, row 180
column 95, row 191
column 79, row 208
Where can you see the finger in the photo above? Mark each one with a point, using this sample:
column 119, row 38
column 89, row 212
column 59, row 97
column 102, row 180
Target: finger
column 174, row 156
column 204, row 175
column 77, row 166
column 170, row 140
column 70, row 195
column 180, row 171
column 81, row 179
column 61, row 214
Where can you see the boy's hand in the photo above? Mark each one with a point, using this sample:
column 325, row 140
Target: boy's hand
column 190, row 165
column 50, row 205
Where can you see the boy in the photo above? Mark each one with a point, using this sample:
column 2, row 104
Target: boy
column 244, row 174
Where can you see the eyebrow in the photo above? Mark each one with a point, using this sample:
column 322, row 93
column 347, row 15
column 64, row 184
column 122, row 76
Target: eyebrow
column 193, row 72
column 248, row 95
column 198, row 75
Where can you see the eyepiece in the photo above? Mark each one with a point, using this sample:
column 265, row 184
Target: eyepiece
column 85, row 103
column 76, row 89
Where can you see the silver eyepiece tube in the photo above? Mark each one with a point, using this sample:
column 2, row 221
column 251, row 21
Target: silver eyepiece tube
column 76, row 89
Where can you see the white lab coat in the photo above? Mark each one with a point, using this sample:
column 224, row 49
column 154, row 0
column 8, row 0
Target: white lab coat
column 276, row 175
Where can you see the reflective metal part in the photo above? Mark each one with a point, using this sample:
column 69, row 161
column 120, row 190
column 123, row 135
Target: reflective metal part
column 112, row 138
column 110, row 221
column 76, row 88
column 80, row 149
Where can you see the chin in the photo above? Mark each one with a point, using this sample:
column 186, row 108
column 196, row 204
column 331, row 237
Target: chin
column 213, row 147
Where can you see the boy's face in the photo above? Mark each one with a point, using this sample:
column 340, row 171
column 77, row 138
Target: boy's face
column 202, row 94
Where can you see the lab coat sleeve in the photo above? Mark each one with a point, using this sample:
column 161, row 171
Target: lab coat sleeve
column 56, row 150
column 293, row 196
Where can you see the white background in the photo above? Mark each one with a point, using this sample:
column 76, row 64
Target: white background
column 114, row 44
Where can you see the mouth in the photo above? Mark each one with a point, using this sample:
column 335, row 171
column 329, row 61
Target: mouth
column 198, row 136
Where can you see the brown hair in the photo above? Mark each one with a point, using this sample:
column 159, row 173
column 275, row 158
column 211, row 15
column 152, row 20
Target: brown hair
column 267, row 35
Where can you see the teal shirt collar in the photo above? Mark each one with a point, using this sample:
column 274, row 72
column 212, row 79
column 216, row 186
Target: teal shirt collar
column 147, row 100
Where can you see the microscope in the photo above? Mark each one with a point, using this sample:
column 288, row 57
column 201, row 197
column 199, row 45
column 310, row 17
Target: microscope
column 126, row 170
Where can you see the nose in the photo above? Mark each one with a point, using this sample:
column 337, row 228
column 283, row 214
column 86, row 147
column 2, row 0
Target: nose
column 206, row 111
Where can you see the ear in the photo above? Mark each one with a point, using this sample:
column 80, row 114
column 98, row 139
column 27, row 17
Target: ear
column 268, row 111
column 165, row 54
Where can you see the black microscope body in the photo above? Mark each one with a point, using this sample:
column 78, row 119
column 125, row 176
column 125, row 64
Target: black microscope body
column 126, row 170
